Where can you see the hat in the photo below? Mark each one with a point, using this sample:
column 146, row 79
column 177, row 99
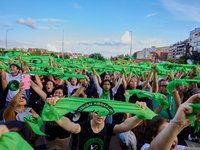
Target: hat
column 18, row 67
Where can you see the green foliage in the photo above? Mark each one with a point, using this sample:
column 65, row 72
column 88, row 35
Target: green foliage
column 182, row 59
column 170, row 60
column 36, row 53
column 134, row 55
column 98, row 54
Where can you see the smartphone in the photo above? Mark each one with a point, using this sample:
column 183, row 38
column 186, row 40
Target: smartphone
column 26, row 80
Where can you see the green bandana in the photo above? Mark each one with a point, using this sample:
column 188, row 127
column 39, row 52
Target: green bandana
column 196, row 110
column 35, row 123
column 99, row 106
column 178, row 82
column 105, row 94
column 50, row 69
column 156, row 96
column 36, row 59
column 13, row 141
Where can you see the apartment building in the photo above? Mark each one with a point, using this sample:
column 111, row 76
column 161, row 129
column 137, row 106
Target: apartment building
column 177, row 50
column 194, row 39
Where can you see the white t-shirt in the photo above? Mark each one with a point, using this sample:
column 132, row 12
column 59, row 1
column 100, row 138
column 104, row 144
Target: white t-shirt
column 71, row 88
column 179, row 147
column 13, row 85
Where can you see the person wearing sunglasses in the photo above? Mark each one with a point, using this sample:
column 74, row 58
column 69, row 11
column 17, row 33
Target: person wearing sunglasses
column 17, row 108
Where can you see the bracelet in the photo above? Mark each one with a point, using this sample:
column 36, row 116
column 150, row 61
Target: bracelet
column 161, row 105
column 178, row 121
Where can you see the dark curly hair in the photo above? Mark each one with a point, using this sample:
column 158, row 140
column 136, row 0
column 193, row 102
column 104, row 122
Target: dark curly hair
column 152, row 128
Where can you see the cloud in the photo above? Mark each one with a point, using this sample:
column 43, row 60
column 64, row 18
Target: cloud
column 43, row 27
column 125, row 39
column 150, row 15
column 75, row 5
column 184, row 10
column 29, row 22
column 3, row 25
column 51, row 47
column 51, row 22
column 104, row 44
column 55, row 20
column 148, row 41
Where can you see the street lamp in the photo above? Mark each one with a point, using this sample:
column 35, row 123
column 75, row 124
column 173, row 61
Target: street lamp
column 131, row 44
column 6, row 37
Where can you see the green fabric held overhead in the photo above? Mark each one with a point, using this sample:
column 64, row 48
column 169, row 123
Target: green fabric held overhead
column 35, row 124
column 60, row 60
column 4, row 59
column 13, row 141
column 4, row 66
column 36, row 59
column 48, row 69
column 156, row 96
column 178, row 82
column 99, row 106
column 60, row 76
column 196, row 110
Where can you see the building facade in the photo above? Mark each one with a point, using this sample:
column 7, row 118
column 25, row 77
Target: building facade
column 194, row 39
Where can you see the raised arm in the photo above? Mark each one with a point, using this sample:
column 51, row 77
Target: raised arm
column 155, row 80
column 37, row 78
column 129, row 123
column 64, row 122
column 38, row 90
column 3, row 79
column 166, row 137
column 14, row 101
column 149, row 77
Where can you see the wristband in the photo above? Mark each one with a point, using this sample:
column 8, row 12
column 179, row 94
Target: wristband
column 161, row 105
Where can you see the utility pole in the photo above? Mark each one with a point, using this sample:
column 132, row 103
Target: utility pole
column 6, row 37
column 63, row 45
column 131, row 45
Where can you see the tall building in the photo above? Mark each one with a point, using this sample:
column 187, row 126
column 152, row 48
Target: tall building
column 194, row 39
column 148, row 50
column 177, row 50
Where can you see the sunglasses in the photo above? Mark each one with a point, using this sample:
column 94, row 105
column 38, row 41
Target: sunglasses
column 24, row 97
column 163, row 85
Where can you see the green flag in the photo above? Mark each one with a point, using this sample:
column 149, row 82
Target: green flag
column 156, row 96
column 13, row 141
column 36, row 59
column 35, row 123
column 99, row 106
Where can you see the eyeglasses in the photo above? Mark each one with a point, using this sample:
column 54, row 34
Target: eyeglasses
column 24, row 97
column 163, row 85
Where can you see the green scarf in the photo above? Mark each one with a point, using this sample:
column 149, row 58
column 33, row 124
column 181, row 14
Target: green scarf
column 105, row 94
column 36, row 59
column 99, row 106
column 35, row 123
column 196, row 110
column 178, row 82
column 13, row 141
column 156, row 96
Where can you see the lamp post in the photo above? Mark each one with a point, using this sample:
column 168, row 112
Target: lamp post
column 6, row 37
column 63, row 45
column 131, row 44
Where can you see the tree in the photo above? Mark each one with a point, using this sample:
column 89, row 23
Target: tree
column 66, row 56
column 182, row 59
column 120, row 56
column 36, row 53
column 170, row 60
column 98, row 54
column 134, row 55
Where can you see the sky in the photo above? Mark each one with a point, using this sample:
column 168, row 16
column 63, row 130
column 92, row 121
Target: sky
column 102, row 26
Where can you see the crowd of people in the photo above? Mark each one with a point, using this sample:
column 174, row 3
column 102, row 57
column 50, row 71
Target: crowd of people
column 169, row 129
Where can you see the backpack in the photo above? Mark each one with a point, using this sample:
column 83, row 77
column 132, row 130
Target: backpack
column 20, row 116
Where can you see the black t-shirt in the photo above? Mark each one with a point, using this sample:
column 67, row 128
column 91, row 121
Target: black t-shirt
column 134, row 97
column 95, row 141
column 54, row 130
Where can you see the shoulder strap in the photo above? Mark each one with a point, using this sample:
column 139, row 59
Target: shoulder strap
column 28, row 109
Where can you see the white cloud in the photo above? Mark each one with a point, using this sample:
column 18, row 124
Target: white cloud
column 75, row 5
column 184, row 10
column 150, row 15
column 149, row 41
column 43, row 27
column 55, row 20
column 51, row 22
column 29, row 22
column 51, row 47
column 106, row 39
